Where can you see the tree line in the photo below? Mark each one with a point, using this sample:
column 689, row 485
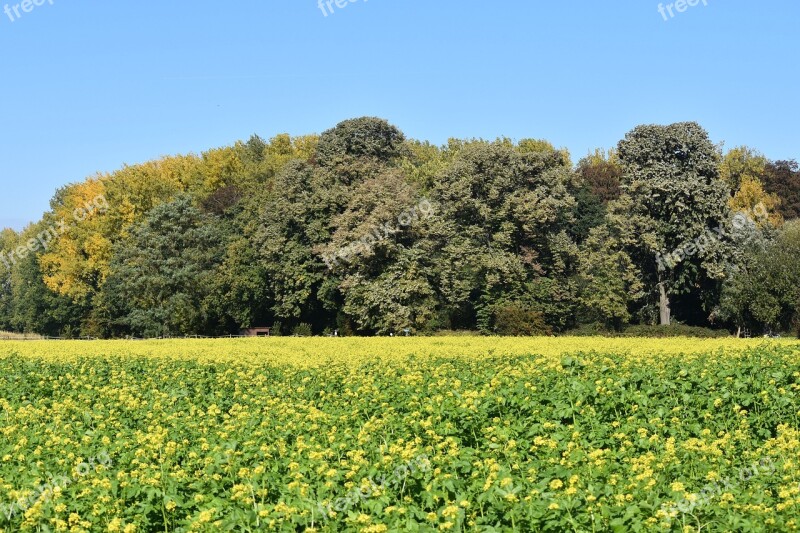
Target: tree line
column 364, row 231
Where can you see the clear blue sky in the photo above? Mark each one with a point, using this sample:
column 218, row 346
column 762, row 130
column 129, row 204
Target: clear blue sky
column 89, row 86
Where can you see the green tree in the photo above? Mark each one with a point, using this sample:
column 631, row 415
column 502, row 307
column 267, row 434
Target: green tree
column 671, row 174
column 380, row 254
column 161, row 277
column 601, row 173
column 504, row 219
column 30, row 306
column 299, row 220
column 763, row 293
column 292, row 223
column 359, row 148
column 609, row 280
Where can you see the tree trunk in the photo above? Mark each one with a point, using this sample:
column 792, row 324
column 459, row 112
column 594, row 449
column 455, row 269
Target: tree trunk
column 739, row 332
column 663, row 305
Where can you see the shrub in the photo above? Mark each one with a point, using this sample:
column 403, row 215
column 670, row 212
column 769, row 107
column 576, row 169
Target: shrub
column 519, row 321
column 594, row 329
column 452, row 333
column 302, row 330
column 675, row 330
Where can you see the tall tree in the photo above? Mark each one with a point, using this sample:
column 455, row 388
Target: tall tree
column 505, row 215
column 671, row 174
column 609, row 281
column 298, row 221
column 380, row 253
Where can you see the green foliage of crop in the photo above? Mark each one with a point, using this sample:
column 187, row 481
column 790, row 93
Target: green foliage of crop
column 581, row 442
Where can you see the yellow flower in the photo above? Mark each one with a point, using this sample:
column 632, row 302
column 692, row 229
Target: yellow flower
column 450, row 511
column 556, row 484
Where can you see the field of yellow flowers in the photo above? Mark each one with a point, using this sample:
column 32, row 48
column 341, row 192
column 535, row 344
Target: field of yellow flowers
column 400, row 434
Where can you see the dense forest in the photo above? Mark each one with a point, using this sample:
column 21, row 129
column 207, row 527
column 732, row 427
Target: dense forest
column 364, row 231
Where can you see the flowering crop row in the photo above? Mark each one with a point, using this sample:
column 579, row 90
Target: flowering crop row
column 402, row 434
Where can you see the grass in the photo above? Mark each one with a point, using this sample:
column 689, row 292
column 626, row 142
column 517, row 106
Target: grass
column 7, row 336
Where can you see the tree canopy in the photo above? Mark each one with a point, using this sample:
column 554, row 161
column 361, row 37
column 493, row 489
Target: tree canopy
column 364, row 231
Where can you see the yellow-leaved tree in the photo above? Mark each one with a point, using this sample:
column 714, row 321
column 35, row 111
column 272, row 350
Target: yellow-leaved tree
column 88, row 219
column 753, row 200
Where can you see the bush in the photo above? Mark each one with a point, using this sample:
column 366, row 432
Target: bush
column 675, row 330
column 452, row 333
column 518, row 321
column 302, row 330
column 591, row 330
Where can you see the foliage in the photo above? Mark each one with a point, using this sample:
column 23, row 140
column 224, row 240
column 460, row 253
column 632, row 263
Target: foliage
column 588, row 434
column 160, row 278
column 741, row 164
column 674, row 330
column 763, row 294
column 782, row 178
column 302, row 330
column 602, row 174
column 609, row 280
column 516, row 320
column 671, row 174
column 308, row 230
column 503, row 216
column 751, row 198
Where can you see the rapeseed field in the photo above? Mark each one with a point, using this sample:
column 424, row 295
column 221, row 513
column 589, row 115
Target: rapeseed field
column 400, row 434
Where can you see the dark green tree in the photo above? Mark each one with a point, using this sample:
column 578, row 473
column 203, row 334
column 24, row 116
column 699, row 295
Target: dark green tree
column 503, row 234
column 671, row 174
column 762, row 294
column 380, row 253
column 161, row 277
column 37, row 309
column 783, row 179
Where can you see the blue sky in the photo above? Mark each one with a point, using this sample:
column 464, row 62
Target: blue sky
column 89, row 86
